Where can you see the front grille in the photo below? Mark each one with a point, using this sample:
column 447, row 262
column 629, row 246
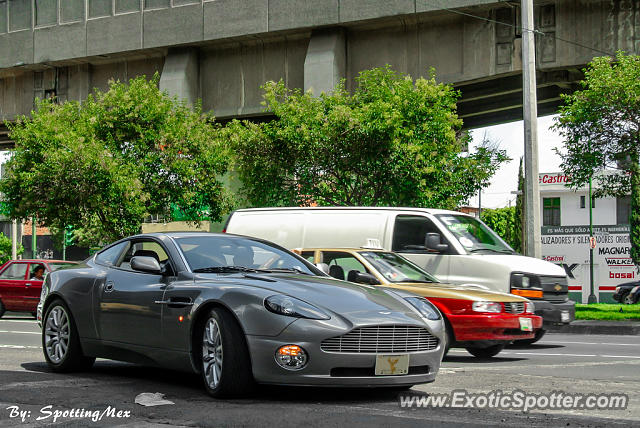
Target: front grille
column 555, row 288
column 378, row 339
column 514, row 307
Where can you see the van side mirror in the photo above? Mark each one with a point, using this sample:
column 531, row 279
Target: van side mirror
column 433, row 243
column 145, row 264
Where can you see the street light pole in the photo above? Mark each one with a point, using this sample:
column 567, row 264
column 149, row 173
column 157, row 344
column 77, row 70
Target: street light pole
column 592, row 296
column 532, row 246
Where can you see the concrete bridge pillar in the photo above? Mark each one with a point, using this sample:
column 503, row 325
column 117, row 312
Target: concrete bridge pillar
column 325, row 63
column 180, row 74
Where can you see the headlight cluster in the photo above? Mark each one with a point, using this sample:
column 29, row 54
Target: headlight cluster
column 425, row 307
column 291, row 357
column 526, row 285
column 529, row 307
column 291, row 307
column 486, row 307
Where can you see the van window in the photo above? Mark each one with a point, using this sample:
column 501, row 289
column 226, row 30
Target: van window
column 409, row 233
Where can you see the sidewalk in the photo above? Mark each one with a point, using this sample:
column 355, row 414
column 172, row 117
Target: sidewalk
column 598, row 327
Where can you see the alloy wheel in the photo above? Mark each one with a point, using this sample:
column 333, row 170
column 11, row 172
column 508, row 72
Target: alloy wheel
column 212, row 353
column 57, row 334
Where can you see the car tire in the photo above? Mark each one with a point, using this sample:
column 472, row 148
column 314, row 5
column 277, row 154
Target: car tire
column 60, row 341
column 489, row 352
column 448, row 338
column 2, row 309
column 622, row 296
column 539, row 334
column 221, row 342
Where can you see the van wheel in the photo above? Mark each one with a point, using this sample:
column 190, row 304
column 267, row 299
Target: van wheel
column 489, row 352
column 2, row 309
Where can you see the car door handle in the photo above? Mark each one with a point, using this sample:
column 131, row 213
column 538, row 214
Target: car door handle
column 28, row 284
column 108, row 287
column 176, row 302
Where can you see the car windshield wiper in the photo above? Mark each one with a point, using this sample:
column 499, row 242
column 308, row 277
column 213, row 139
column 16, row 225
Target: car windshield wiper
column 225, row 269
column 492, row 250
column 296, row 270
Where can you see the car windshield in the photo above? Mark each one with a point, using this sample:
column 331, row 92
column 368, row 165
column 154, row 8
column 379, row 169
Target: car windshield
column 474, row 235
column 227, row 254
column 56, row 266
column 396, row 268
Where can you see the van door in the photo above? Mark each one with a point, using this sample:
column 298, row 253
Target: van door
column 409, row 232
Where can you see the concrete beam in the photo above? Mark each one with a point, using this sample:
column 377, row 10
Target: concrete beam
column 180, row 75
column 325, row 63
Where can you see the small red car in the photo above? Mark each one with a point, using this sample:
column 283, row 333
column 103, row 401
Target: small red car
column 20, row 286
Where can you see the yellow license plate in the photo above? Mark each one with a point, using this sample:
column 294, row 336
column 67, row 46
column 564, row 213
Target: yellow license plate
column 526, row 324
column 392, row 365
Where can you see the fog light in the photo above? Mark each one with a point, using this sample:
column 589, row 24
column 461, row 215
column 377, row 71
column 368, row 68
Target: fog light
column 291, row 357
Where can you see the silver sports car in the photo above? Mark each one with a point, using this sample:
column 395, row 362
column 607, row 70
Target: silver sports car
column 237, row 310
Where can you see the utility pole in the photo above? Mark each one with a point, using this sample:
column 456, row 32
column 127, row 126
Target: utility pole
column 592, row 295
column 532, row 246
column 34, row 250
column 479, row 203
column 14, row 239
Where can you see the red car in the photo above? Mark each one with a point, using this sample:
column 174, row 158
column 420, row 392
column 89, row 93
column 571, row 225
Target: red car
column 20, row 286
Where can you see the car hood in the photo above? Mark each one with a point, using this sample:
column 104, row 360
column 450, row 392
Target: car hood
column 461, row 292
column 359, row 303
column 518, row 263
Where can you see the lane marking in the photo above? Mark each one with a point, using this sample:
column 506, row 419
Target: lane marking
column 20, row 332
column 20, row 347
column 33, row 321
column 620, row 356
column 550, row 354
column 593, row 343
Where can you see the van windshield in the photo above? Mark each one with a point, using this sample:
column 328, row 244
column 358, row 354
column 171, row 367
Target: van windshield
column 474, row 235
column 396, row 268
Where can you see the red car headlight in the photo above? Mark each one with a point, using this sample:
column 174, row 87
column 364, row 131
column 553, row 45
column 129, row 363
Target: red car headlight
column 486, row 307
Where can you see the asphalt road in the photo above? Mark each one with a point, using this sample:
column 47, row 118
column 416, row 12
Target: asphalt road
column 569, row 363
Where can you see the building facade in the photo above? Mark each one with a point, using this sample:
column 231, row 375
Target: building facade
column 565, row 237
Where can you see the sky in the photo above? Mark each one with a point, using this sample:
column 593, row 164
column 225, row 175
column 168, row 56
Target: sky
column 510, row 137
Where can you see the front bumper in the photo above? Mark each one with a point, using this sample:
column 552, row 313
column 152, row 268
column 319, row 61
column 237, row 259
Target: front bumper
column 498, row 327
column 551, row 313
column 333, row 368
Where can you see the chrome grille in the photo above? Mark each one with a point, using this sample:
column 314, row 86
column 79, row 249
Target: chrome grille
column 514, row 307
column 377, row 339
column 555, row 288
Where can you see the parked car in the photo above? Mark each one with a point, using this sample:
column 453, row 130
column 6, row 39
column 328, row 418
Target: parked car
column 236, row 310
column 455, row 247
column 20, row 287
column 628, row 293
column 477, row 319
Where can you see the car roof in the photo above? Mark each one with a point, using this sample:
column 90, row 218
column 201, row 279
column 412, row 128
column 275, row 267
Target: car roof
column 43, row 261
column 378, row 250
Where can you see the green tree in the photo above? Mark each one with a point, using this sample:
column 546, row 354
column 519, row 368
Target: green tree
column 504, row 222
column 392, row 142
column 600, row 124
column 102, row 166
column 519, row 214
column 5, row 248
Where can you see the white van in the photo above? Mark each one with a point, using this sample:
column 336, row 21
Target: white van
column 455, row 247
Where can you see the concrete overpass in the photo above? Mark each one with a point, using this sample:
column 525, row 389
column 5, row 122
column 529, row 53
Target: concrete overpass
column 222, row 51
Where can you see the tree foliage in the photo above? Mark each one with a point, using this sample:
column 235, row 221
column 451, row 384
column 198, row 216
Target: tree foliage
column 5, row 248
column 505, row 223
column 392, row 141
column 104, row 165
column 600, row 124
column 520, row 238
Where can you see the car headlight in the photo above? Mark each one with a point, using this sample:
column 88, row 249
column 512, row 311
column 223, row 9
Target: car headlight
column 529, row 307
column 486, row 307
column 424, row 307
column 291, row 307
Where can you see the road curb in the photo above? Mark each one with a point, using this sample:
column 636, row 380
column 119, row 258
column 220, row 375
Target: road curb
column 625, row 328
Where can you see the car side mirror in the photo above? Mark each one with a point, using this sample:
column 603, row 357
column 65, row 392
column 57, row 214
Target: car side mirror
column 323, row 267
column 145, row 264
column 433, row 243
column 366, row 278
